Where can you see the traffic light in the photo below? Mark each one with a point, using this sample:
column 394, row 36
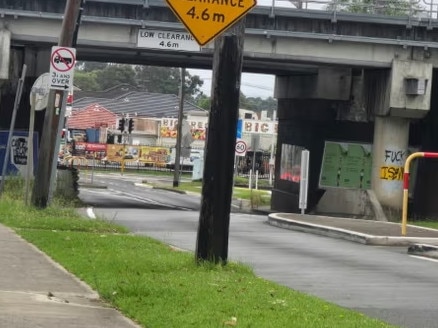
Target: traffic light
column 122, row 125
column 110, row 139
column 130, row 125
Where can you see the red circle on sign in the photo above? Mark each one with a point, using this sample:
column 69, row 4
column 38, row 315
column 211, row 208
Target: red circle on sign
column 61, row 59
column 240, row 147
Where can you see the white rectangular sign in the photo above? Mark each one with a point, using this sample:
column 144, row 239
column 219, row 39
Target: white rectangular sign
column 62, row 64
column 304, row 180
column 166, row 40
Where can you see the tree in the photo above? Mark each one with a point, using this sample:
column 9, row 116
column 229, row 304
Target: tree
column 258, row 105
column 255, row 104
column 87, row 66
column 193, row 85
column 157, row 79
column 203, row 101
column 243, row 102
column 167, row 80
column 115, row 74
column 86, row 81
column 383, row 7
column 94, row 76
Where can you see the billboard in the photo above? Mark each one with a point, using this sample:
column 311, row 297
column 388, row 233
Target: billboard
column 154, row 155
column 198, row 128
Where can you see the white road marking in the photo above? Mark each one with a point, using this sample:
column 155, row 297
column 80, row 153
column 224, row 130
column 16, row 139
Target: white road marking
column 90, row 213
column 424, row 258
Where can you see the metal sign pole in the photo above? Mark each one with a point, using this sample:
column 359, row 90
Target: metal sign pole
column 271, row 159
column 12, row 126
column 60, row 105
column 30, row 163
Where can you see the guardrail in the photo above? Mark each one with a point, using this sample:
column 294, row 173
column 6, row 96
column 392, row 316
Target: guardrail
column 406, row 174
column 416, row 8
column 413, row 9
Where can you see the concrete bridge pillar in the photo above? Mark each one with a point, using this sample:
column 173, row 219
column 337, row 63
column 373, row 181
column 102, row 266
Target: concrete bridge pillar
column 396, row 96
column 5, row 41
column 37, row 61
column 390, row 150
column 307, row 108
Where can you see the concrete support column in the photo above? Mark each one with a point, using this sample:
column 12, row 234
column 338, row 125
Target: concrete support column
column 307, row 110
column 37, row 61
column 396, row 96
column 390, row 150
column 5, row 43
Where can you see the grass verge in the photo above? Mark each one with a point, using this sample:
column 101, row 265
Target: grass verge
column 158, row 286
column 427, row 224
column 260, row 197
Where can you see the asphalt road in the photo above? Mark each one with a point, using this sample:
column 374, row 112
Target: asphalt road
column 382, row 282
column 126, row 191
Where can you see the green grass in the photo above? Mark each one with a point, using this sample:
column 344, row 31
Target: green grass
column 428, row 224
column 261, row 197
column 158, row 286
column 192, row 186
column 256, row 197
column 15, row 214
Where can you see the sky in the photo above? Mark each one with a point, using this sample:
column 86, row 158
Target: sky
column 252, row 85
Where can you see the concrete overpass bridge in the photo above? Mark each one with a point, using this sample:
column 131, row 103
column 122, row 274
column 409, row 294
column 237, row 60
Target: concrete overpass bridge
column 366, row 78
column 276, row 39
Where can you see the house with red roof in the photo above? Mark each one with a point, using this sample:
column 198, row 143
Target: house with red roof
column 93, row 116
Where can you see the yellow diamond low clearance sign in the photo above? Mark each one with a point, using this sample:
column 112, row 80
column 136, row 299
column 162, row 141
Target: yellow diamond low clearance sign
column 206, row 19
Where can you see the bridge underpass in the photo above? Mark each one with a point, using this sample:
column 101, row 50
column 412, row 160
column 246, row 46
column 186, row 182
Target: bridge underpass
column 340, row 77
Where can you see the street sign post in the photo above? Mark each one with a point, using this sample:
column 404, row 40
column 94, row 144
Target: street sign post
column 206, row 20
column 241, row 148
column 62, row 63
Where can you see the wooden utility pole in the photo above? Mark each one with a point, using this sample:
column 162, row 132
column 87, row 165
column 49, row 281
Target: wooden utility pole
column 47, row 152
column 214, row 220
column 177, row 167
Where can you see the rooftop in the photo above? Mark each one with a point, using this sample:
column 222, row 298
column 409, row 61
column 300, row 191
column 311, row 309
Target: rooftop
column 123, row 100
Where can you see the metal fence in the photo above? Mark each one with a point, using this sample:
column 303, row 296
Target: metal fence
column 82, row 163
column 418, row 9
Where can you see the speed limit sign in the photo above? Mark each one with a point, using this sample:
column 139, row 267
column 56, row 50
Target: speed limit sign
column 240, row 148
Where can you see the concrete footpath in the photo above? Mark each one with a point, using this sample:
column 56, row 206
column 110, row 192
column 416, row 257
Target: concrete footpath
column 37, row 292
column 418, row 240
